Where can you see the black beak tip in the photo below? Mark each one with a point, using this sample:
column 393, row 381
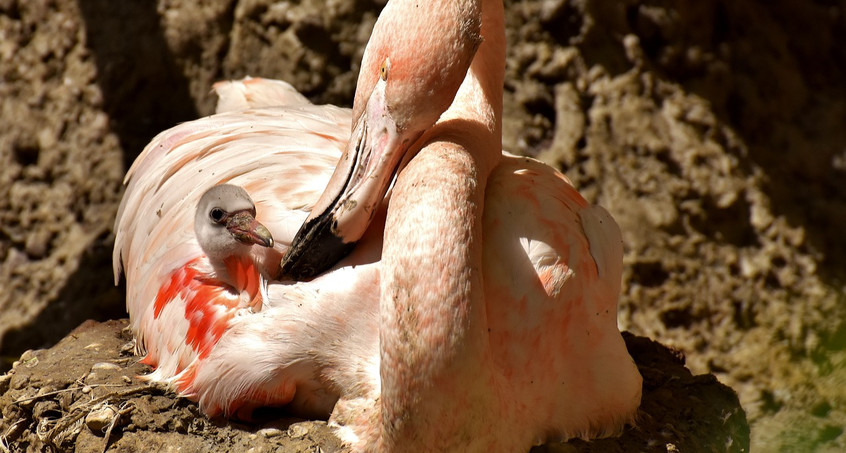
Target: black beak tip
column 315, row 249
column 295, row 269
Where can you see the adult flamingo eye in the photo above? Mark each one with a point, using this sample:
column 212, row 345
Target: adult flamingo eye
column 217, row 215
column 383, row 71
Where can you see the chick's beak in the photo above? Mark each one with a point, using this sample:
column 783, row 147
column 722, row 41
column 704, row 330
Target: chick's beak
column 245, row 228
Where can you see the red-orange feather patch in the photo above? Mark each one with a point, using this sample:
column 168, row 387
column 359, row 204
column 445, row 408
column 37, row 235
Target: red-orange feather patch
column 210, row 303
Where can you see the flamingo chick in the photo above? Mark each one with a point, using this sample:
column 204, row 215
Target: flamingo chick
column 289, row 353
column 499, row 282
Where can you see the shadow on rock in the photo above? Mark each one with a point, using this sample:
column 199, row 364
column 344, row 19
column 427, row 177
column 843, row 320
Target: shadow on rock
column 90, row 293
column 144, row 90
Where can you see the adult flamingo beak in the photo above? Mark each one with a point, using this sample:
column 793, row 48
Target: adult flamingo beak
column 244, row 227
column 353, row 194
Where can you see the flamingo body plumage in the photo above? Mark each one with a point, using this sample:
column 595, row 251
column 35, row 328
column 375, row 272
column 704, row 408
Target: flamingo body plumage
column 552, row 265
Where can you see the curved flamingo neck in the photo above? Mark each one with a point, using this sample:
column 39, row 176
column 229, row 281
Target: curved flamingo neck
column 435, row 359
column 436, row 369
column 474, row 119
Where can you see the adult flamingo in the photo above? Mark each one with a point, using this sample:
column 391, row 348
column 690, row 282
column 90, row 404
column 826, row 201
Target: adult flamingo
column 499, row 281
column 197, row 291
column 238, row 362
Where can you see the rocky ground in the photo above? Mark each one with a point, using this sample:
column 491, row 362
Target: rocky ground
column 83, row 395
column 713, row 132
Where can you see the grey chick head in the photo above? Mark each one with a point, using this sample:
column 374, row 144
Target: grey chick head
column 225, row 223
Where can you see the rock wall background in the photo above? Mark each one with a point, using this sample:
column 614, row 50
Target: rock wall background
column 713, row 131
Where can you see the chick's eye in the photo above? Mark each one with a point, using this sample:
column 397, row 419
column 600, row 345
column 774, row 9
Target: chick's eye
column 217, row 214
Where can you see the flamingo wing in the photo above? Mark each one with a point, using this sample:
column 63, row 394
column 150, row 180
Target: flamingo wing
column 553, row 267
